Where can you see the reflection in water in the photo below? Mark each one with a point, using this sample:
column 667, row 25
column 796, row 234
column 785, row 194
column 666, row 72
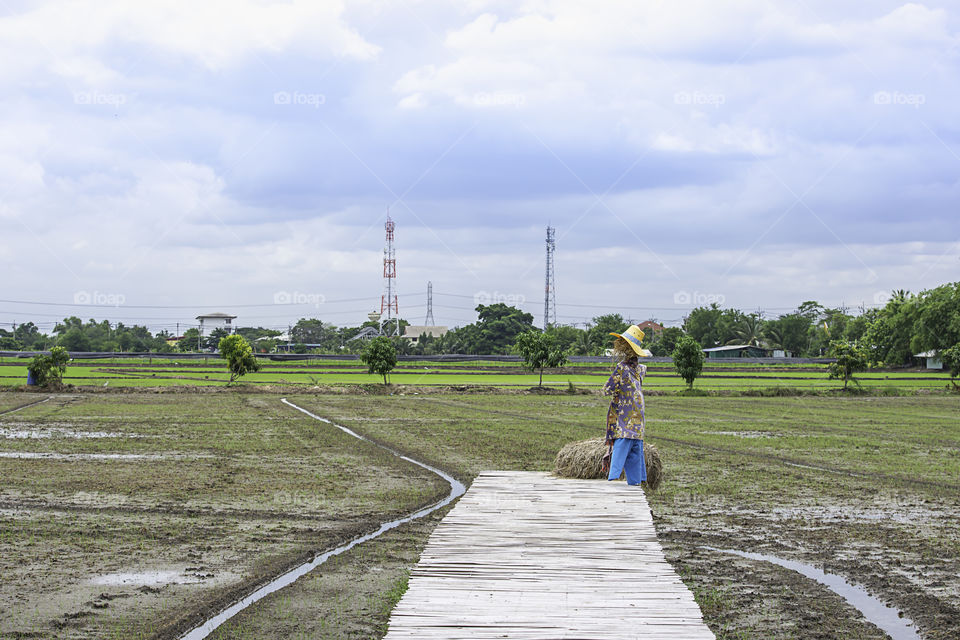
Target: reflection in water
column 888, row 619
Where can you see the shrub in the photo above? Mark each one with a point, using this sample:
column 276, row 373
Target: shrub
column 49, row 369
column 688, row 359
column 951, row 360
column 539, row 350
column 380, row 356
column 239, row 355
column 850, row 359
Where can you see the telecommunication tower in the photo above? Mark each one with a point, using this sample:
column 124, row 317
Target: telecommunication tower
column 388, row 301
column 550, row 286
column 429, row 321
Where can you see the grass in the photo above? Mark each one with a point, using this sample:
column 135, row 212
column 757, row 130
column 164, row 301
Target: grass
column 243, row 485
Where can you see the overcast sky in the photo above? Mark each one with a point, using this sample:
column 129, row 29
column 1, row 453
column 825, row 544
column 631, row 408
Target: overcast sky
column 166, row 159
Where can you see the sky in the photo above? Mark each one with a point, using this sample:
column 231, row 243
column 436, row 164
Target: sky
column 167, row 159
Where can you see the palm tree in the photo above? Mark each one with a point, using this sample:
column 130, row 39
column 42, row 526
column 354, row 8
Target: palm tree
column 774, row 337
column 582, row 345
column 748, row 331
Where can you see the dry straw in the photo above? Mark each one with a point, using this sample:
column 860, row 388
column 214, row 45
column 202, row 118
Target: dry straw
column 582, row 460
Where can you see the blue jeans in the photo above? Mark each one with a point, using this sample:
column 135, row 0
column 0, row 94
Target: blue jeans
column 628, row 456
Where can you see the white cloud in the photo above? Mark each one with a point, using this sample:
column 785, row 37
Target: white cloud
column 142, row 150
column 67, row 36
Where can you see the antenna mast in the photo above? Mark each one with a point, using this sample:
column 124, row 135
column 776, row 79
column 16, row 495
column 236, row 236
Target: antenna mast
column 549, row 289
column 388, row 301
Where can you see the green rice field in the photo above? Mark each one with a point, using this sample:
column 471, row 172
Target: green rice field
column 660, row 376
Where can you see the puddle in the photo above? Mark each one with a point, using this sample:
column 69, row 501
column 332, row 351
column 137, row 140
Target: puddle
column 893, row 513
column 743, row 434
column 146, row 578
column 59, row 432
column 456, row 490
column 886, row 618
column 46, row 455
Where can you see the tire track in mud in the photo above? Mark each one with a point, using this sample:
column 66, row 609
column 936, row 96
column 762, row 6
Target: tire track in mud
column 770, row 457
column 457, row 489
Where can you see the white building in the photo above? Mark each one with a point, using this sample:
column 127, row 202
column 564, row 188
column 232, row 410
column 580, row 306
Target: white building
column 413, row 332
column 933, row 362
column 213, row 321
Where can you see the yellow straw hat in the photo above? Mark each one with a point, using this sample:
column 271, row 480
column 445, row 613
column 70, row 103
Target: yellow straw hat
column 634, row 336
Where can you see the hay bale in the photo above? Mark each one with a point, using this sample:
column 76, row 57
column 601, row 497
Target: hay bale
column 582, row 460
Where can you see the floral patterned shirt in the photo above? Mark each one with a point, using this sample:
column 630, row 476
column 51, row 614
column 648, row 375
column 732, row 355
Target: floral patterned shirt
column 625, row 418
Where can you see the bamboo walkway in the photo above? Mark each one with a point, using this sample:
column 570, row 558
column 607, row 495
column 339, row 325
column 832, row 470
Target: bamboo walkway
column 527, row 555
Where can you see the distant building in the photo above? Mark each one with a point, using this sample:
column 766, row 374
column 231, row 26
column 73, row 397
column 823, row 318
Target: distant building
column 173, row 340
column 736, row 351
column 931, row 360
column 212, row 321
column 413, row 332
column 649, row 326
column 367, row 333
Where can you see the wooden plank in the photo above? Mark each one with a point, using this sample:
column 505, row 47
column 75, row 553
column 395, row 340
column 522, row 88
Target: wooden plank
column 527, row 555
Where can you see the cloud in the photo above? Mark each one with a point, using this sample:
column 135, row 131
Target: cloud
column 181, row 153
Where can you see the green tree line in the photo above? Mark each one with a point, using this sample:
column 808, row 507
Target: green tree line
column 889, row 335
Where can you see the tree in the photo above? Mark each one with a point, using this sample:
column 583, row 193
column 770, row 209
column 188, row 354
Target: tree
column 539, row 350
column 324, row 334
column 688, row 359
column 49, row 369
column 951, row 360
column 936, row 324
column 831, row 325
column 664, row 342
column 850, row 359
column 748, row 331
column 238, row 353
column 74, row 339
column 189, row 340
column 791, row 331
column 8, row 342
column 29, row 336
column 858, row 325
column 566, row 337
column 602, row 327
column 713, row 326
column 213, row 340
column 380, row 356
column 811, row 310
column 887, row 339
column 494, row 332
column 773, row 335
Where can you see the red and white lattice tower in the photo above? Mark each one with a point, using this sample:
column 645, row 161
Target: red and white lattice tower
column 389, row 309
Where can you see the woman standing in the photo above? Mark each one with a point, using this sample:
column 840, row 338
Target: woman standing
column 625, row 417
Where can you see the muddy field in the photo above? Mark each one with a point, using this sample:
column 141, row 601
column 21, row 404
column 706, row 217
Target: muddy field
column 130, row 515
column 187, row 503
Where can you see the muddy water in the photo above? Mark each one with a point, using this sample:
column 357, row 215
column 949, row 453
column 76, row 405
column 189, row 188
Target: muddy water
column 47, row 455
column 59, row 432
column 146, row 578
column 456, row 490
column 888, row 619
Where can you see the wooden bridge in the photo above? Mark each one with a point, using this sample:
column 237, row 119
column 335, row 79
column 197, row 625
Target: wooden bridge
column 527, row 555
